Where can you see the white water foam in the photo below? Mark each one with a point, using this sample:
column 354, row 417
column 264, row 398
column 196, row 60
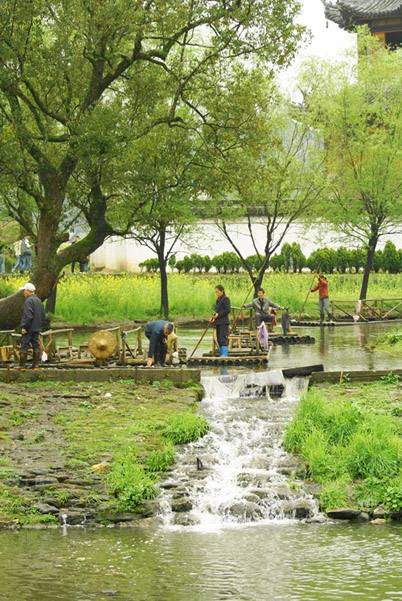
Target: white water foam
column 243, row 464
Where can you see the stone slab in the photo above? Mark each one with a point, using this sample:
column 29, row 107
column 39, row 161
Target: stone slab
column 353, row 376
column 178, row 375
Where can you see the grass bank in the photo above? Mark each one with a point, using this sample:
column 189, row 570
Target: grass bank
column 90, row 451
column 350, row 439
column 101, row 297
column 391, row 343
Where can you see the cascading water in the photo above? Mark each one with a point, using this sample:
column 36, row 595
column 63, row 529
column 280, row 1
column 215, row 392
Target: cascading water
column 239, row 472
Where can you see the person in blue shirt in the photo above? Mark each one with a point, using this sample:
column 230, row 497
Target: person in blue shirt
column 157, row 333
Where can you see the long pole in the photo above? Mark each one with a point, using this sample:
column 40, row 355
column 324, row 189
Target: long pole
column 308, row 293
column 205, row 331
column 249, row 292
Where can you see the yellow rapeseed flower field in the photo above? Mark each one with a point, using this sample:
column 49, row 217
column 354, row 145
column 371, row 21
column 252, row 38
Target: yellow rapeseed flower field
column 84, row 298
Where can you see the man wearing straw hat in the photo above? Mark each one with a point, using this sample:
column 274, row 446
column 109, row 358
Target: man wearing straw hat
column 157, row 333
column 33, row 317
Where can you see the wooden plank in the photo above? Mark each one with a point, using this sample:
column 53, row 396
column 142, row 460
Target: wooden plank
column 302, row 371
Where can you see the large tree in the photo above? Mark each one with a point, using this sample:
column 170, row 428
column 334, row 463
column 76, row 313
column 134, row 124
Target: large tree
column 166, row 190
column 275, row 179
column 81, row 81
column 356, row 109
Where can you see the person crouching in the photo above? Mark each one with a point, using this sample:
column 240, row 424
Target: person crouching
column 157, row 333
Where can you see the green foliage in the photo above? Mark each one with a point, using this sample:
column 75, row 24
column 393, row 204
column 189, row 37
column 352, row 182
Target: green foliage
column 390, row 378
column 334, row 495
column 343, row 442
column 159, row 460
column 375, row 449
column 370, row 492
column 356, row 108
column 393, row 498
column 129, row 481
column 184, row 428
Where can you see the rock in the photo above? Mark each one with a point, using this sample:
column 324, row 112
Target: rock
column 245, row 510
column 262, row 493
column 52, row 501
column 122, row 517
column 317, row 519
column 284, row 492
column 42, row 481
column 44, row 508
column 378, row 521
column 72, row 518
column 343, row 514
column 169, row 485
column 7, row 523
column 180, row 493
column 312, row 488
column 185, row 519
column 363, row 516
column 180, row 505
column 251, row 498
column 380, row 512
column 150, row 508
column 297, row 509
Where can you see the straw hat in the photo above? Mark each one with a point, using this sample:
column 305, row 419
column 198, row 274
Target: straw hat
column 102, row 344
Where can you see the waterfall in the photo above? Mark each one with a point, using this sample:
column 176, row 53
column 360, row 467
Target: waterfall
column 239, row 472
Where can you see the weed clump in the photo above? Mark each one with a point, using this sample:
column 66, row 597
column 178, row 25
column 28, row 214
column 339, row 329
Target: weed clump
column 183, row 428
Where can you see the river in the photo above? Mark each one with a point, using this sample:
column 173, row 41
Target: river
column 264, row 555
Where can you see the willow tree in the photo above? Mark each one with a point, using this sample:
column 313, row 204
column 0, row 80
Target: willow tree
column 81, row 80
column 356, row 109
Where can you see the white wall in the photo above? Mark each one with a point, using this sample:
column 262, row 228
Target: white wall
column 118, row 254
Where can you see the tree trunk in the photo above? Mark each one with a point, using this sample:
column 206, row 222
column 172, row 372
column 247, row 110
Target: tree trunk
column 369, row 261
column 50, row 263
column 164, row 308
column 51, row 301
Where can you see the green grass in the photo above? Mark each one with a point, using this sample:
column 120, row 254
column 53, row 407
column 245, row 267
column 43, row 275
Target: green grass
column 351, row 443
column 183, row 428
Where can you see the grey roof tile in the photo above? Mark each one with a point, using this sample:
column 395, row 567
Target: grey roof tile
column 344, row 12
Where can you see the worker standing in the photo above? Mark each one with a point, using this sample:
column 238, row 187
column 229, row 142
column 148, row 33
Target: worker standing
column 221, row 320
column 323, row 298
column 33, row 317
column 157, row 333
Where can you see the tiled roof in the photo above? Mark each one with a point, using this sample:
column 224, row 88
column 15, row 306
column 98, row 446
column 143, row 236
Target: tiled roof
column 344, row 12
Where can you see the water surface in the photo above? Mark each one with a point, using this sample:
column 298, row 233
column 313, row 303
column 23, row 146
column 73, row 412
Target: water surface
column 278, row 562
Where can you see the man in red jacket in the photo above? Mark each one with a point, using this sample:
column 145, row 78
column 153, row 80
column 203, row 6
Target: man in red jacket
column 323, row 299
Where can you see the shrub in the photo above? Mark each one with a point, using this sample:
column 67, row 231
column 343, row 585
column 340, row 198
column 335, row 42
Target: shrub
column 129, row 481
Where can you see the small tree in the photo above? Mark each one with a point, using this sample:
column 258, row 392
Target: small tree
column 390, row 258
column 357, row 111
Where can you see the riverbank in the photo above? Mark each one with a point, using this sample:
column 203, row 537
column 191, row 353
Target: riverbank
column 89, row 453
column 349, row 436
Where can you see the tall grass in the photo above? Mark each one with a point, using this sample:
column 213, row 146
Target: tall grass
column 341, row 443
column 92, row 297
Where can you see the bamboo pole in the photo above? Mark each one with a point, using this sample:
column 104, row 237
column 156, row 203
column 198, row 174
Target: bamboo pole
column 248, row 293
column 309, row 290
column 205, row 331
